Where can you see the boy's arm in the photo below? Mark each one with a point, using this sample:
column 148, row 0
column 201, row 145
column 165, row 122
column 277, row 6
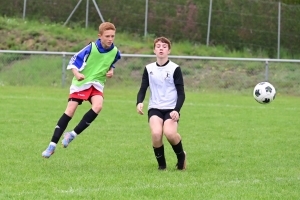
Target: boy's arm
column 144, row 86
column 77, row 74
column 179, row 84
column 118, row 57
column 142, row 92
column 78, row 61
column 110, row 72
column 178, row 81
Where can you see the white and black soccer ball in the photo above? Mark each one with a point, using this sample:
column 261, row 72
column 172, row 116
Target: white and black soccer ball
column 264, row 92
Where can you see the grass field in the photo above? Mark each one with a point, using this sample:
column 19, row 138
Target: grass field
column 236, row 149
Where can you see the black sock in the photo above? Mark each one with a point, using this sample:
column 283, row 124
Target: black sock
column 160, row 155
column 178, row 150
column 85, row 121
column 60, row 127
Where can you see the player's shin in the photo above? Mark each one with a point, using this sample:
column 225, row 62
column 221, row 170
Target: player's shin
column 160, row 157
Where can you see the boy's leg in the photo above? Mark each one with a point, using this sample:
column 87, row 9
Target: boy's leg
column 86, row 120
column 155, row 124
column 60, row 128
column 58, row 131
column 83, row 124
column 181, row 156
column 170, row 131
column 160, row 157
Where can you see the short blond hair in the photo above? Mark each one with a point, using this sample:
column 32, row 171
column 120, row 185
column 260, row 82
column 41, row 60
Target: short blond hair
column 106, row 26
column 163, row 40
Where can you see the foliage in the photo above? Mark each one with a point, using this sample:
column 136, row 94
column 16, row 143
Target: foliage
column 290, row 1
column 32, row 35
column 235, row 24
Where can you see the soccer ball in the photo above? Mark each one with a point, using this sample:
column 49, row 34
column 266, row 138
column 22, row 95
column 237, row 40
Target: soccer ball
column 264, row 92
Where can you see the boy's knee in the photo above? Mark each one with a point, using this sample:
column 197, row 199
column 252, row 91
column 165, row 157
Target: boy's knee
column 97, row 108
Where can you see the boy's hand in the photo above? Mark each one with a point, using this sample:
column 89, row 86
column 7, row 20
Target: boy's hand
column 110, row 73
column 174, row 115
column 139, row 108
column 79, row 76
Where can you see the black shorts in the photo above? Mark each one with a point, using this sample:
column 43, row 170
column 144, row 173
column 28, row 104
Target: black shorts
column 79, row 101
column 163, row 114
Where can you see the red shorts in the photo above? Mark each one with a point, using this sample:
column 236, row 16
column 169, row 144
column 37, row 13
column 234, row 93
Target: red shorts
column 86, row 94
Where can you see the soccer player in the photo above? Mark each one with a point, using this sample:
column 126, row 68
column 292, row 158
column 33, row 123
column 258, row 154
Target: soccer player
column 91, row 67
column 165, row 81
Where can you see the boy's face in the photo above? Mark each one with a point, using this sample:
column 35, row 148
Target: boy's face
column 161, row 50
column 107, row 38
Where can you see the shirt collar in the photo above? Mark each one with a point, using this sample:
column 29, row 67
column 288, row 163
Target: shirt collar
column 101, row 49
column 163, row 64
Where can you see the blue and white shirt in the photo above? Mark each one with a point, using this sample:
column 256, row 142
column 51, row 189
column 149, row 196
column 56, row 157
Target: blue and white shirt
column 79, row 59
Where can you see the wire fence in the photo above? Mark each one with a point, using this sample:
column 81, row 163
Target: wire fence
column 200, row 73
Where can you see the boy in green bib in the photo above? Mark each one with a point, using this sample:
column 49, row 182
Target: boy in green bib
column 91, row 67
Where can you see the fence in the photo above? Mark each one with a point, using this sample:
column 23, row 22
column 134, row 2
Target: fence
column 256, row 24
column 199, row 72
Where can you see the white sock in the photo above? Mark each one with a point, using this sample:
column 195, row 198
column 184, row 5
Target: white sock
column 73, row 133
column 53, row 144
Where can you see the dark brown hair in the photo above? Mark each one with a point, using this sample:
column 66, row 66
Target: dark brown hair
column 163, row 40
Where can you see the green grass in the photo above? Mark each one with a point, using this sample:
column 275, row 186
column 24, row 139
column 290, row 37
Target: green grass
column 236, row 148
